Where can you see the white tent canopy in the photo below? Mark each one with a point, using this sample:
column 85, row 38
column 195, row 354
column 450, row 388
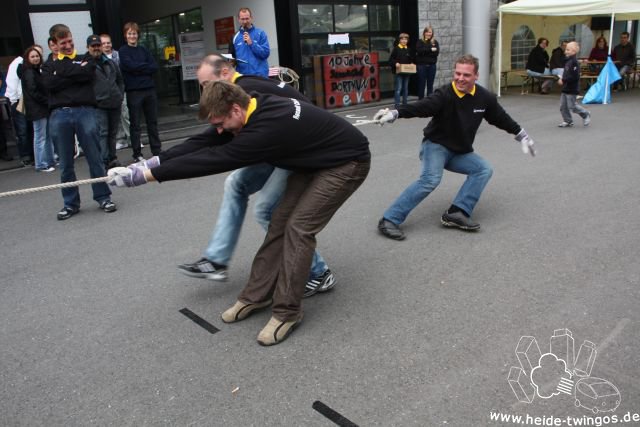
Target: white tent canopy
column 551, row 17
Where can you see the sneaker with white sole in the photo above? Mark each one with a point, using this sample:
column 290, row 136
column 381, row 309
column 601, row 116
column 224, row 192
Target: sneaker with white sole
column 108, row 206
column 586, row 121
column 205, row 269
column 565, row 125
column 322, row 283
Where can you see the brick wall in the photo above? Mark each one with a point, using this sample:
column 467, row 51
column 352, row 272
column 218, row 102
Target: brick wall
column 445, row 16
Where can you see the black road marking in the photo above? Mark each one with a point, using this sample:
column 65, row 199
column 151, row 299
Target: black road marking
column 332, row 415
column 199, row 321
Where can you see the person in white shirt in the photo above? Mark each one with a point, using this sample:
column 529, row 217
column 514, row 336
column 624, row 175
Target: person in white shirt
column 20, row 123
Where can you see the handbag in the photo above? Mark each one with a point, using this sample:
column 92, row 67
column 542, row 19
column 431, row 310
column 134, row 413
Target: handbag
column 20, row 107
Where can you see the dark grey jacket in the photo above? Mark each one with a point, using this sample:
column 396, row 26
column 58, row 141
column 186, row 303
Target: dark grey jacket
column 108, row 84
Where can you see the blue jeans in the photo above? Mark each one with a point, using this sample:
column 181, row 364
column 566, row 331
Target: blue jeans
column 64, row 123
column 401, row 85
column 138, row 101
column 435, row 159
column 271, row 183
column 108, row 123
column 42, row 146
column 547, row 72
column 23, row 137
column 426, row 74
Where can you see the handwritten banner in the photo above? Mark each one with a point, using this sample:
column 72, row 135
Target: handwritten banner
column 350, row 79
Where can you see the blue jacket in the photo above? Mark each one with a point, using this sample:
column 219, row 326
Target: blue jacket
column 137, row 66
column 255, row 54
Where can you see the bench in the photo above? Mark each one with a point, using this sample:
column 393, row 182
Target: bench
column 589, row 79
column 527, row 79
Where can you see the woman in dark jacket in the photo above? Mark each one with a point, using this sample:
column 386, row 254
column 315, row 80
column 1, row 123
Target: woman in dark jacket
column 36, row 108
column 427, row 51
column 401, row 54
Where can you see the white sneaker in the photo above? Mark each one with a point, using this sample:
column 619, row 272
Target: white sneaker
column 120, row 146
column 565, row 125
column 587, row 120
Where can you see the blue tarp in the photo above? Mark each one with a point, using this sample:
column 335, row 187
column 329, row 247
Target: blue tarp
column 600, row 91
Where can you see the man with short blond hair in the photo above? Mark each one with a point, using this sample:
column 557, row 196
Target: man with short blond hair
column 456, row 110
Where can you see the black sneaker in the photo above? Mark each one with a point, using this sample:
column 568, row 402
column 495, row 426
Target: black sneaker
column 323, row 283
column 113, row 164
column 459, row 220
column 66, row 213
column 390, row 230
column 108, row 206
column 205, row 269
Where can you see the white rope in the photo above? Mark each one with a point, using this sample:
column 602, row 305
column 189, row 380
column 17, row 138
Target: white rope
column 106, row 178
column 55, row 186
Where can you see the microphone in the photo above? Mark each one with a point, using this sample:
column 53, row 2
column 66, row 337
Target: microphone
column 244, row 29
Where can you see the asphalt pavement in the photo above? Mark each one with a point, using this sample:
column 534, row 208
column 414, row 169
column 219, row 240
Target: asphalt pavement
column 424, row 332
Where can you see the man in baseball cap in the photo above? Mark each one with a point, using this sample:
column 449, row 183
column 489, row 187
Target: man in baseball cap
column 108, row 87
column 93, row 40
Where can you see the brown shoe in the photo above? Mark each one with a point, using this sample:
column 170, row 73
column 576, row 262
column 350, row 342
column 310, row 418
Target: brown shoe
column 241, row 310
column 277, row 331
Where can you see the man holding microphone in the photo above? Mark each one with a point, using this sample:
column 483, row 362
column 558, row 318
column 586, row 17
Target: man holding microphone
column 250, row 46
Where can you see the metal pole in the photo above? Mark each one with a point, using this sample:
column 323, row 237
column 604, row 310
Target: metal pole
column 476, row 33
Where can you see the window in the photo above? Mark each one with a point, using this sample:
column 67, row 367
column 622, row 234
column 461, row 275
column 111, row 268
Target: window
column 384, row 18
column 315, row 18
column 371, row 28
column 522, row 42
column 582, row 34
column 352, row 17
column 190, row 21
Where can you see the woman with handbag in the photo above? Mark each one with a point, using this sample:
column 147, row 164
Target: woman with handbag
column 401, row 54
column 36, row 108
column 427, row 51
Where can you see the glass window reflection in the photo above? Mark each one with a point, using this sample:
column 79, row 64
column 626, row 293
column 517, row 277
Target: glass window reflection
column 351, row 17
column 314, row 46
column 384, row 17
column 315, row 18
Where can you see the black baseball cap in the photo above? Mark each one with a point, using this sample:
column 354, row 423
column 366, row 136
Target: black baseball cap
column 93, row 39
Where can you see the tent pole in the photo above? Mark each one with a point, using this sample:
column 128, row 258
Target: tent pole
column 499, row 53
column 613, row 16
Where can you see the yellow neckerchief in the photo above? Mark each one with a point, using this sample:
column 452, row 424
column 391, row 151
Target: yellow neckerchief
column 61, row 56
column 235, row 77
column 253, row 104
column 401, row 47
column 461, row 94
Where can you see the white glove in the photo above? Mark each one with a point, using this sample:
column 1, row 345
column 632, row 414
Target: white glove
column 131, row 176
column 149, row 163
column 528, row 146
column 385, row 116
